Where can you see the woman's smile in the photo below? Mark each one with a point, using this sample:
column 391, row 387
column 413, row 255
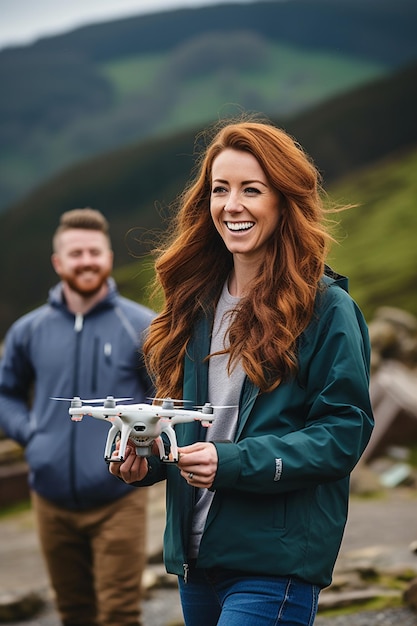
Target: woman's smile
column 239, row 226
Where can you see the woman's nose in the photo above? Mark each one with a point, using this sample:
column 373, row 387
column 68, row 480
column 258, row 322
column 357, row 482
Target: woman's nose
column 233, row 203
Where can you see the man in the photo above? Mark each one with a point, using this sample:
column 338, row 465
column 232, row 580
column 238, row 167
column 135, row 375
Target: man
column 86, row 341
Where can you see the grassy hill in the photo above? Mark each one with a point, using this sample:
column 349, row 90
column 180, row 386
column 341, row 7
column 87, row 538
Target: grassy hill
column 134, row 187
column 101, row 87
column 377, row 239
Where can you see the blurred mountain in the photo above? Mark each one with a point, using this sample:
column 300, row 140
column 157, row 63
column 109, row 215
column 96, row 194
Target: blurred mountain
column 134, row 187
column 101, row 87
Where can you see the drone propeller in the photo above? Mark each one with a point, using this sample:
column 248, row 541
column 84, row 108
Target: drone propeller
column 66, row 399
column 168, row 399
column 169, row 403
column 208, row 405
column 93, row 401
column 208, row 408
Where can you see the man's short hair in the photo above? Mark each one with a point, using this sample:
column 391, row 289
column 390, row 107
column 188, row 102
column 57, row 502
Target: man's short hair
column 86, row 219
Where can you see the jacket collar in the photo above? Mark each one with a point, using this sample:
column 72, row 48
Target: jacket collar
column 196, row 367
column 331, row 277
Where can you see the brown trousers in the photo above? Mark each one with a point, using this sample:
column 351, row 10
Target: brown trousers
column 95, row 559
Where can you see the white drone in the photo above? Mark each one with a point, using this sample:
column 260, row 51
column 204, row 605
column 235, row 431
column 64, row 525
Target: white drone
column 142, row 423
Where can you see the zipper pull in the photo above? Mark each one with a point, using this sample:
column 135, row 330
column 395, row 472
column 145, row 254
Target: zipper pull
column 186, row 569
column 107, row 350
column 79, row 321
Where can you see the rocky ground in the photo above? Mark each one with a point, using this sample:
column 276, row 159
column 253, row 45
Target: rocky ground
column 377, row 539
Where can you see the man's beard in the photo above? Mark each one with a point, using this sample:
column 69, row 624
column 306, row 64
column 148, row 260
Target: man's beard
column 78, row 285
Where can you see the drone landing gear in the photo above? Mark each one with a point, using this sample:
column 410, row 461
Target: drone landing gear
column 110, row 460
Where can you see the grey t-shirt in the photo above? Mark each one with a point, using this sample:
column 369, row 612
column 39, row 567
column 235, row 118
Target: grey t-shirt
column 224, row 391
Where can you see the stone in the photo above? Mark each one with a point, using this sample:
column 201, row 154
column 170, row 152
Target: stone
column 14, row 606
column 410, row 595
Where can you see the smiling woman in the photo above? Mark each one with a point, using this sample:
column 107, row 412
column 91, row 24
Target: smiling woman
column 257, row 325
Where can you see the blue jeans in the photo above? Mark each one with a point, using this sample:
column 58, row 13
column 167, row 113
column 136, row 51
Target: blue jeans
column 218, row 597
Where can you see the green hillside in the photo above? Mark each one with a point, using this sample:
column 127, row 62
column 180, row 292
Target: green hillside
column 246, row 70
column 101, row 87
column 377, row 239
column 135, row 186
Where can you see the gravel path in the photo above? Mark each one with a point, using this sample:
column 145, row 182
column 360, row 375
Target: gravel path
column 386, row 521
column 163, row 610
column 389, row 617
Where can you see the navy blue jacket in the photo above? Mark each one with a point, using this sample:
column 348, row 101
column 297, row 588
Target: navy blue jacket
column 50, row 353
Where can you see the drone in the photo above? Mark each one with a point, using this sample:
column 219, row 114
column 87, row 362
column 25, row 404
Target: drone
column 142, row 423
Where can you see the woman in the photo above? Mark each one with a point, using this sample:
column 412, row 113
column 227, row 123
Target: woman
column 257, row 325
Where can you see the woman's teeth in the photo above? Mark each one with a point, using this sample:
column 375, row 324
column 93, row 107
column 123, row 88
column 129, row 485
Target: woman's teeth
column 236, row 226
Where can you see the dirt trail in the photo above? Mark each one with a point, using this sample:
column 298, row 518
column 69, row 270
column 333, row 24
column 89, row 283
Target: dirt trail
column 390, row 521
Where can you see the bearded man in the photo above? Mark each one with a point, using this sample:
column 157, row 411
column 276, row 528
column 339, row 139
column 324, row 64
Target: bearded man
column 85, row 341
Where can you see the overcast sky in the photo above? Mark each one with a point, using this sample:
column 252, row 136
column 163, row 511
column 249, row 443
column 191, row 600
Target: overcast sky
column 24, row 21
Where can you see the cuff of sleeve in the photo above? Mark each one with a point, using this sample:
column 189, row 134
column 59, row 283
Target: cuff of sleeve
column 228, row 469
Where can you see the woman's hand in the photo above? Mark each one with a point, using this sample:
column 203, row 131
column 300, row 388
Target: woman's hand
column 133, row 467
column 198, row 464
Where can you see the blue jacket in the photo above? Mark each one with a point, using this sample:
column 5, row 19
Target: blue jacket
column 49, row 353
column 282, row 486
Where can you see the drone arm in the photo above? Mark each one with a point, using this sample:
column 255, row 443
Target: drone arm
column 100, row 412
column 183, row 418
column 77, row 413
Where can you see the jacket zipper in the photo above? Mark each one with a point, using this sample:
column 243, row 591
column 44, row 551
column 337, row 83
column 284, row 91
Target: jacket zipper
column 79, row 322
column 186, row 570
column 94, row 365
column 78, row 326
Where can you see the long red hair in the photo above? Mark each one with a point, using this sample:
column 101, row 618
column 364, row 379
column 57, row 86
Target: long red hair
column 194, row 264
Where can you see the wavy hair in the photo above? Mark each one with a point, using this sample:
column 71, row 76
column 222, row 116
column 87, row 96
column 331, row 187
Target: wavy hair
column 194, row 264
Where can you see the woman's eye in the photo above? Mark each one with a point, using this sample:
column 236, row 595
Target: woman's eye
column 218, row 189
column 253, row 190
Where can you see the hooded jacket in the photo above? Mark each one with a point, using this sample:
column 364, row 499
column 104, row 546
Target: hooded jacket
column 282, row 486
column 51, row 353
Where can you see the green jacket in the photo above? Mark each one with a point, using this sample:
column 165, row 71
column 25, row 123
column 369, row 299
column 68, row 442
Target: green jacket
column 282, row 486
